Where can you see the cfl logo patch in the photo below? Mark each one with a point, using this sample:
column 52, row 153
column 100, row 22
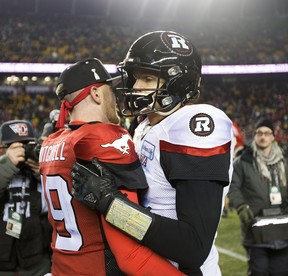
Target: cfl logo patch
column 202, row 124
column 20, row 128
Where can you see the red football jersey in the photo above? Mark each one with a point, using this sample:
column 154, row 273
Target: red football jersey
column 78, row 242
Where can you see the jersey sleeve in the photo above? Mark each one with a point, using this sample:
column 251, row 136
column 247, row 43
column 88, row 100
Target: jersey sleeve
column 191, row 236
column 133, row 258
column 112, row 145
column 202, row 151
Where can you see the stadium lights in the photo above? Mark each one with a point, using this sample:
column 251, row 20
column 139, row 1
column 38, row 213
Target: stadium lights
column 43, row 68
column 245, row 69
column 57, row 68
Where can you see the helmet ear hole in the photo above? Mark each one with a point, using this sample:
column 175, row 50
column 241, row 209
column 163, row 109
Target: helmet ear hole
column 130, row 81
column 183, row 87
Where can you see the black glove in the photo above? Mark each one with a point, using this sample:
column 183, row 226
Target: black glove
column 93, row 186
column 245, row 214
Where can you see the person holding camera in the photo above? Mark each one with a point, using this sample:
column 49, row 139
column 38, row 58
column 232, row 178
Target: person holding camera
column 50, row 126
column 259, row 193
column 25, row 232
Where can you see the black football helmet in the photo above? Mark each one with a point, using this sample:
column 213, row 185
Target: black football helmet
column 169, row 55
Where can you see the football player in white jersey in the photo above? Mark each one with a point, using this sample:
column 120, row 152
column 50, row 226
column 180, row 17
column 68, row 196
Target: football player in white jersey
column 186, row 151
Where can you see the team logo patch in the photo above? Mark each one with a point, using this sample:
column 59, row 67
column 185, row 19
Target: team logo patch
column 177, row 44
column 202, row 124
column 148, row 150
column 90, row 198
column 20, row 128
column 120, row 144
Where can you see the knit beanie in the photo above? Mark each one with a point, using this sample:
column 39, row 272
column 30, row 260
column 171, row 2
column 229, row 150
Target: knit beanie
column 264, row 122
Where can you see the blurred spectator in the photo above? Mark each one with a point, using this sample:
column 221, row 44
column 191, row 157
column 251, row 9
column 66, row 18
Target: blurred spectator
column 50, row 126
column 259, row 192
column 239, row 138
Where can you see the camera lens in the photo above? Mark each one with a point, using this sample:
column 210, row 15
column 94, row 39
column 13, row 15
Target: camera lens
column 32, row 150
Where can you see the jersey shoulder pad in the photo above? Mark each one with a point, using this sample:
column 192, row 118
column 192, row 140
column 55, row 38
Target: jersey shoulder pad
column 108, row 142
column 199, row 125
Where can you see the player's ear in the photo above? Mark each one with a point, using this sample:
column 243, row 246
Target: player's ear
column 95, row 94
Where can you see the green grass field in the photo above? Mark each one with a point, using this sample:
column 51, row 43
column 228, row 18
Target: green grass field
column 232, row 254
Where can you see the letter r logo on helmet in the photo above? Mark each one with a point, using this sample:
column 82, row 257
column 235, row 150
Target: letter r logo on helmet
column 178, row 42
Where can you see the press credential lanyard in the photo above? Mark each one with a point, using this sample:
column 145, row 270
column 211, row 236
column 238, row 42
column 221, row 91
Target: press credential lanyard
column 15, row 219
column 274, row 187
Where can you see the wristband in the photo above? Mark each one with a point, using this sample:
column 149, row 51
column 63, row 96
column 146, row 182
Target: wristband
column 129, row 217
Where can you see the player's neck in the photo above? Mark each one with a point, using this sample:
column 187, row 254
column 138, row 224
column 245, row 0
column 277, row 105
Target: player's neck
column 155, row 118
column 86, row 114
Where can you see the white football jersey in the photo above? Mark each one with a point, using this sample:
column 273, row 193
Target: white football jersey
column 196, row 130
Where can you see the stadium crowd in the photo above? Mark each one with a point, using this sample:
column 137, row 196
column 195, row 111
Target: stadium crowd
column 41, row 39
column 34, row 107
column 59, row 39
column 245, row 104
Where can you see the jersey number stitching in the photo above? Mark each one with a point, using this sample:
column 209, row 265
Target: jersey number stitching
column 68, row 235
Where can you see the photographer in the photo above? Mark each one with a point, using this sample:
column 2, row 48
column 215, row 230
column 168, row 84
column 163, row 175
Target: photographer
column 25, row 232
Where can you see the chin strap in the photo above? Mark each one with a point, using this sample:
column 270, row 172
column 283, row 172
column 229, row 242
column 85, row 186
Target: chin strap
column 167, row 113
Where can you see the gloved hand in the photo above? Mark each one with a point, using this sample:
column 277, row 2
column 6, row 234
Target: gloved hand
column 245, row 214
column 93, row 186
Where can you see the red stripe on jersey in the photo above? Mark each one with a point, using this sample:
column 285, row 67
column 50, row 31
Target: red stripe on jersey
column 165, row 146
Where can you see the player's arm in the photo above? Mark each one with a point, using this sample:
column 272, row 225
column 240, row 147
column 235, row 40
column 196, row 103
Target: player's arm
column 187, row 240
column 132, row 257
column 191, row 236
column 97, row 190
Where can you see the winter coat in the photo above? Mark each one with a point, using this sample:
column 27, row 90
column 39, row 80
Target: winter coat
column 36, row 231
column 248, row 187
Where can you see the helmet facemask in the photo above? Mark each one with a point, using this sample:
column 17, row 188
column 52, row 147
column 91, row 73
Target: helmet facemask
column 132, row 101
column 166, row 55
column 161, row 99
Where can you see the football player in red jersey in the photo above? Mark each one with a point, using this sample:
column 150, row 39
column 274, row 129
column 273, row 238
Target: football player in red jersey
column 186, row 151
column 83, row 243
